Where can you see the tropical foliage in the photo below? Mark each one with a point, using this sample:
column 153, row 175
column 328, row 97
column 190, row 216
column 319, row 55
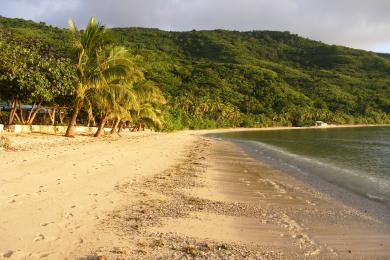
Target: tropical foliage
column 219, row 78
column 29, row 74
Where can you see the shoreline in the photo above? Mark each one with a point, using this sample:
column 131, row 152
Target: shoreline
column 220, row 202
column 172, row 195
column 85, row 131
column 279, row 128
column 376, row 208
column 317, row 199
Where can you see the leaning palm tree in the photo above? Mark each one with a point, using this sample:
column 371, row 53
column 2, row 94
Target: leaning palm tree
column 114, row 100
column 150, row 99
column 149, row 92
column 147, row 115
column 99, row 65
column 146, row 93
column 115, row 96
column 88, row 43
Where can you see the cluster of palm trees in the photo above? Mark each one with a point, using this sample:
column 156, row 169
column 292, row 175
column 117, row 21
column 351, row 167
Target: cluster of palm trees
column 110, row 84
column 204, row 107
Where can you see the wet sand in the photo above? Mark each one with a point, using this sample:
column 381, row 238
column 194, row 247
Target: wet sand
column 316, row 222
column 220, row 203
column 171, row 196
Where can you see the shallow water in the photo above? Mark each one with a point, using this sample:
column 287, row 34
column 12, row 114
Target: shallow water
column 356, row 159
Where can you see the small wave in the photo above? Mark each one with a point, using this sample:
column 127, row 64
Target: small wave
column 354, row 180
column 305, row 159
column 375, row 197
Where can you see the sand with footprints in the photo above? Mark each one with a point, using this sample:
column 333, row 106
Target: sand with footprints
column 177, row 195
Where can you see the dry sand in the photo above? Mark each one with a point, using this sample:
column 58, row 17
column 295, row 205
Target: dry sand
column 175, row 196
column 53, row 196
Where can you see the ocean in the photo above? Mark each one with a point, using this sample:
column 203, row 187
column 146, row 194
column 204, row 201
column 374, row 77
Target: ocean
column 354, row 159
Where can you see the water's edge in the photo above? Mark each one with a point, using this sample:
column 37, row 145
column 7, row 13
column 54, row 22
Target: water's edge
column 369, row 205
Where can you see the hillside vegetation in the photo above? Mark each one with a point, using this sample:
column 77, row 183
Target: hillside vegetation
column 261, row 78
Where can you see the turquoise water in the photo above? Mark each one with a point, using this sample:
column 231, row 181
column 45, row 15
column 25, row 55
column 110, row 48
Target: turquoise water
column 356, row 159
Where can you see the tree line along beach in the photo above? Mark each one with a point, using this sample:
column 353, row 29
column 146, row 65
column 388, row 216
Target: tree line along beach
column 131, row 143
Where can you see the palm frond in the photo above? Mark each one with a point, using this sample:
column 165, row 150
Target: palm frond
column 110, row 79
column 149, row 92
column 72, row 26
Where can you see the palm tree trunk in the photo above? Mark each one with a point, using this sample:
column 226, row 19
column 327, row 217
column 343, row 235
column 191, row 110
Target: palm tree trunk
column 115, row 126
column 102, row 123
column 120, row 127
column 73, row 120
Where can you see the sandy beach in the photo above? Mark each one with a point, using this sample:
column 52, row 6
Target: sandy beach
column 171, row 196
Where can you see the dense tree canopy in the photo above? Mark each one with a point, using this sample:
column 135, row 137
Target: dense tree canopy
column 226, row 78
column 29, row 74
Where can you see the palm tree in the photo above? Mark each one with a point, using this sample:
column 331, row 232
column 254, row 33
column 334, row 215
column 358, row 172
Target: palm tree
column 144, row 109
column 113, row 102
column 99, row 65
column 147, row 115
column 89, row 44
column 125, row 104
column 149, row 92
column 110, row 84
column 113, row 94
column 150, row 99
column 142, row 93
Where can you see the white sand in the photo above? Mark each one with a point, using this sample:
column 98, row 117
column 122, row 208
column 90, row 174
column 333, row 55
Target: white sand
column 56, row 192
column 52, row 197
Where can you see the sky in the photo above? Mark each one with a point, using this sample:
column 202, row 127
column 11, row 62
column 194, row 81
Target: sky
column 362, row 24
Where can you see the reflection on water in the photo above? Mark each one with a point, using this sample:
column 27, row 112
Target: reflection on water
column 354, row 158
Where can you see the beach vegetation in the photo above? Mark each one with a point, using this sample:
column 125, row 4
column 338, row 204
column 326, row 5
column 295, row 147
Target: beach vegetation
column 108, row 78
column 204, row 79
column 31, row 74
column 90, row 44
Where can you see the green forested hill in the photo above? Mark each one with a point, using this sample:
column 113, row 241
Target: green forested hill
column 227, row 78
